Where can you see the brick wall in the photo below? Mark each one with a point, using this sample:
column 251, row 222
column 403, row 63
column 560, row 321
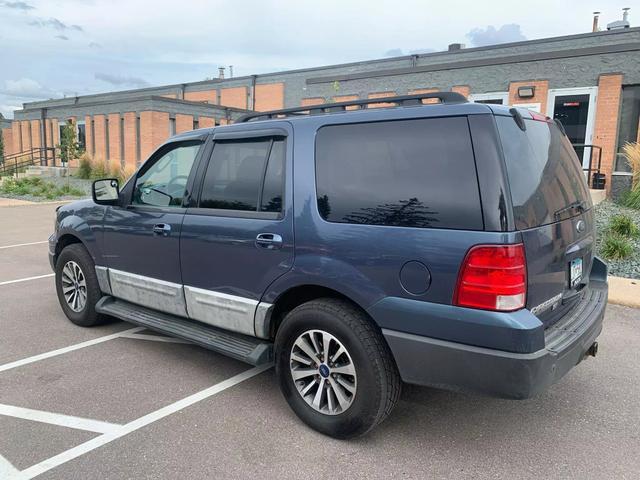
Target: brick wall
column 234, row 97
column 540, row 96
column 114, row 138
column 154, row 130
column 269, row 96
column 16, row 133
column 36, row 140
column 346, row 98
column 207, row 96
column 184, row 123
column 417, row 91
column 207, row 122
column 25, row 134
column 130, row 145
column 381, row 95
column 7, row 138
column 606, row 121
column 311, row 101
column 88, row 135
column 99, row 130
column 462, row 89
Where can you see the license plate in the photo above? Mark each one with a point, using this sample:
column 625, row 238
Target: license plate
column 575, row 269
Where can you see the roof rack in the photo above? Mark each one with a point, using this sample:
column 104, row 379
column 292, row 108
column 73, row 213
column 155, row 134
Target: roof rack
column 400, row 101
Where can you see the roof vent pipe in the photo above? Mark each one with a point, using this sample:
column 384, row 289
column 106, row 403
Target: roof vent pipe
column 596, row 15
column 221, row 73
column 620, row 24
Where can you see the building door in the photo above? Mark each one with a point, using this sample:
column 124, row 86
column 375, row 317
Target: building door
column 575, row 108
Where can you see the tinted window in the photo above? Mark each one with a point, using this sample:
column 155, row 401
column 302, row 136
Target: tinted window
column 410, row 173
column 274, row 179
column 545, row 175
column 162, row 181
column 234, row 177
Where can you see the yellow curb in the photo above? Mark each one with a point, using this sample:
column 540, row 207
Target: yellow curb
column 624, row 291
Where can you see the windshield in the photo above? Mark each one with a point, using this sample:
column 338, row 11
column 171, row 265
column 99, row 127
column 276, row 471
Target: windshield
column 545, row 175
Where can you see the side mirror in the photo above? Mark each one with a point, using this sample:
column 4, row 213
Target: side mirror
column 106, row 191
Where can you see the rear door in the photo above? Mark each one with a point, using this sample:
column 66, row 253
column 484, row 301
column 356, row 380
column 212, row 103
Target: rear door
column 239, row 236
column 553, row 211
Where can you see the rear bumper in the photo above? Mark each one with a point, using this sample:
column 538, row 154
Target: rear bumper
column 454, row 366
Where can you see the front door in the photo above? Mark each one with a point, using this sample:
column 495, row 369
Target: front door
column 239, row 237
column 575, row 108
column 142, row 239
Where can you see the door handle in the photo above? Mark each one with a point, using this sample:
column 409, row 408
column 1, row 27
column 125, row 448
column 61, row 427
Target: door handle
column 270, row 241
column 163, row 229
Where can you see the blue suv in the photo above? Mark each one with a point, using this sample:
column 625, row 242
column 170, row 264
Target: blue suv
column 448, row 245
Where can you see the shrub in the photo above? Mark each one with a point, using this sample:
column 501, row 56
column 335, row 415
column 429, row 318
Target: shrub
column 99, row 170
column 631, row 152
column 631, row 199
column 85, row 167
column 616, row 247
column 624, row 225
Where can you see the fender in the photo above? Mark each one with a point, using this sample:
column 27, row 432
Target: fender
column 83, row 220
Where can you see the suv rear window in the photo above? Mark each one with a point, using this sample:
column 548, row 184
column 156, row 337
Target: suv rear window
column 408, row 173
column 544, row 172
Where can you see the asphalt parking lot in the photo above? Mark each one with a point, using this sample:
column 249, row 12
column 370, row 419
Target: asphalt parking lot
column 120, row 402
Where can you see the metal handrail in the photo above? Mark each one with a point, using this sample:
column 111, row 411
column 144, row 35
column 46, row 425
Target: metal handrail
column 590, row 169
column 12, row 163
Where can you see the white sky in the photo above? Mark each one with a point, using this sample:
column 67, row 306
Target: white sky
column 67, row 47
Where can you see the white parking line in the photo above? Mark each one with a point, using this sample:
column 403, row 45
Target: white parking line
column 130, row 427
column 23, row 244
column 71, row 348
column 7, row 470
column 8, row 282
column 59, row 419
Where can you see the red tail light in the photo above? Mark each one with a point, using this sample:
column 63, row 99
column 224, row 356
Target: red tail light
column 493, row 277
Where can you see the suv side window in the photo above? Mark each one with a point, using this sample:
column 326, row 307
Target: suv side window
column 246, row 175
column 406, row 173
column 162, row 182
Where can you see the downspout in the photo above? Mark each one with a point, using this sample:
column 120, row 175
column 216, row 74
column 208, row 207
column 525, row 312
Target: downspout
column 43, row 135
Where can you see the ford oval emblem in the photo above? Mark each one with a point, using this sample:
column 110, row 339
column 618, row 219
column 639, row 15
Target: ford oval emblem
column 581, row 226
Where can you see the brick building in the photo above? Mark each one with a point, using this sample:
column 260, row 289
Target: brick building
column 590, row 81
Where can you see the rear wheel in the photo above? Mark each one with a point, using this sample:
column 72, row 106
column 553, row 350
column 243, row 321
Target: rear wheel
column 335, row 369
column 77, row 286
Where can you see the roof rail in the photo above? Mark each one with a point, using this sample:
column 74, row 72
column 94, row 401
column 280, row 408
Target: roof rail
column 401, row 101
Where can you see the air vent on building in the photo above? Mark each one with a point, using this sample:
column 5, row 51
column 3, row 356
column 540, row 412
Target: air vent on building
column 221, row 72
column 456, row 46
column 620, row 24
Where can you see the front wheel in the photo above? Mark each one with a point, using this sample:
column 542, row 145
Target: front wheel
column 335, row 369
column 77, row 286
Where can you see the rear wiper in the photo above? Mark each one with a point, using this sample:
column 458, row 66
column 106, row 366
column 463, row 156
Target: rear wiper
column 577, row 205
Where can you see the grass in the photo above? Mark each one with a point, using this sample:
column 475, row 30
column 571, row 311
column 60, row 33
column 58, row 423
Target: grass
column 90, row 169
column 624, row 226
column 36, row 187
column 616, row 247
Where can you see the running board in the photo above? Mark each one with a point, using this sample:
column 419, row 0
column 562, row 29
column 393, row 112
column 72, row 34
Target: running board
column 241, row 347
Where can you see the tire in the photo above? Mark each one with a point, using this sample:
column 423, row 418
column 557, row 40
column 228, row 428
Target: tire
column 82, row 315
column 376, row 382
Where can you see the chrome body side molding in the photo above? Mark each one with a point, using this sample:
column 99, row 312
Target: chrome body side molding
column 103, row 279
column 221, row 310
column 149, row 292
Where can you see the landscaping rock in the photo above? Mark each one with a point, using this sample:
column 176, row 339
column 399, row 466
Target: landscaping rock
column 629, row 267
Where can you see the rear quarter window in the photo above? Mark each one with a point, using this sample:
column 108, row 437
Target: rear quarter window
column 544, row 173
column 409, row 173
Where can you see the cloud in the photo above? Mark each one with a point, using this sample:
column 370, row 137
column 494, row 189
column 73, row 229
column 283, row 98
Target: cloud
column 394, row 52
column 121, row 80
column 62, row 37
column 54, row 23
column 26, row 88
column 94, row 45
column 17, row 6
column 481, row 37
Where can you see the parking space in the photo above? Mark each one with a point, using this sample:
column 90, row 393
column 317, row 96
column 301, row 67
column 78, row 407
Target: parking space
column 119, row 402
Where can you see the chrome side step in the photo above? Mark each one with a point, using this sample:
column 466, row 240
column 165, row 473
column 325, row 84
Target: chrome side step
column 241, row 347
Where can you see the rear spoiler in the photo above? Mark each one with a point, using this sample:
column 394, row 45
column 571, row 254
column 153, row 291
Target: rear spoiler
column 519, row 118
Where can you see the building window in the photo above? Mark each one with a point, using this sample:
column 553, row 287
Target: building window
column 172, row 126
column 196, row 123
column 629, row 118
column 106, row 138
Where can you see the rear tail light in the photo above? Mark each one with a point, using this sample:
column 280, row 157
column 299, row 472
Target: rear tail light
column 493, row 277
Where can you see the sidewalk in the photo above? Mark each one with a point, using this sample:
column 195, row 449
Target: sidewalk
column 624, row 291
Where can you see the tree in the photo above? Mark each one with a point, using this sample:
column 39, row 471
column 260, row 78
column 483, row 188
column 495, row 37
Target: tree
column 69, row 146
column 1, row 148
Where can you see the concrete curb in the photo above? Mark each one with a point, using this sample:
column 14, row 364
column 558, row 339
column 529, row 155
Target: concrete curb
column 14, row 202
column 624, row 291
